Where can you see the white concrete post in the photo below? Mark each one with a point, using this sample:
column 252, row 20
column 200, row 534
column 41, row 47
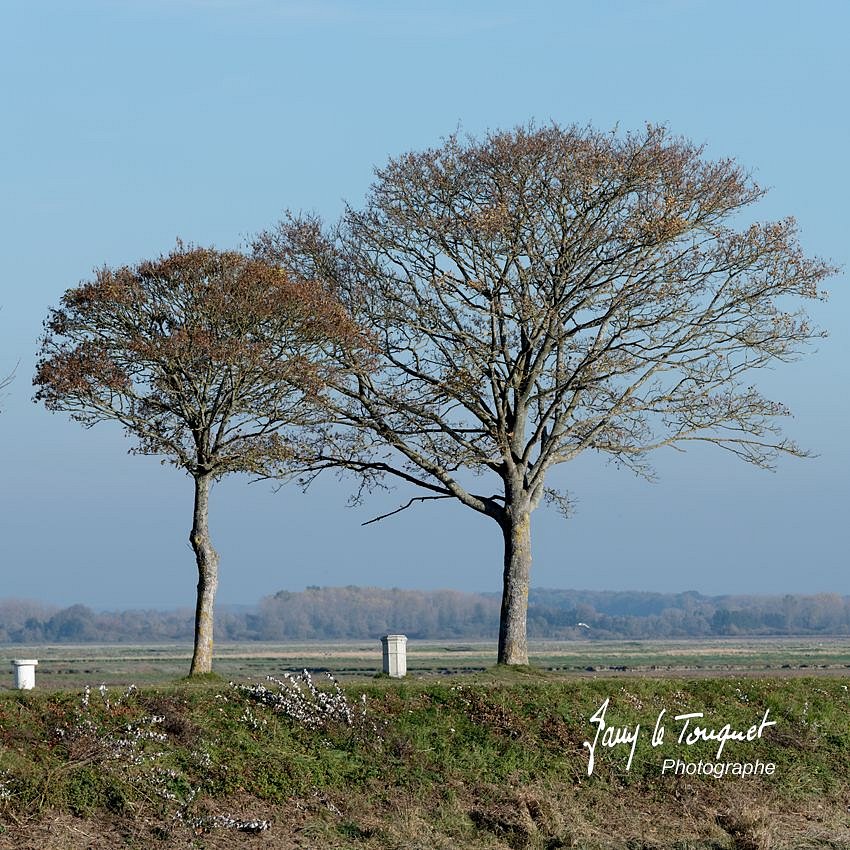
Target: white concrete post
column 25, row 673
column 395, row 655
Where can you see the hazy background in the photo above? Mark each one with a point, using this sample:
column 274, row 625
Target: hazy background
column 128, row 124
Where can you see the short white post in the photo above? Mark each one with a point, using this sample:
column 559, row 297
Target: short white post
column 395, row 655
column 25, row 673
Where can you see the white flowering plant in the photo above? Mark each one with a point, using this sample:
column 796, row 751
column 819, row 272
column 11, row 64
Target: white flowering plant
column 302, row 701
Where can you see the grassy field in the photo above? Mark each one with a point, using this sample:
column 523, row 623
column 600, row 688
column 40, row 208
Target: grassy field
column 460, row 754
column 494, row 759
column 64, row 666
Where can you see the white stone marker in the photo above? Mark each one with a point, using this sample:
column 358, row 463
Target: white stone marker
column 25, row 673
column 395, row 655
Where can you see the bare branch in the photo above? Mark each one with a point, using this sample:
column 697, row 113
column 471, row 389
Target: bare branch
column 4, row 382
column 405, row 507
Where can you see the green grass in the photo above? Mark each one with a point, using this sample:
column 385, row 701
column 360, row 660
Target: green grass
column 492, row 760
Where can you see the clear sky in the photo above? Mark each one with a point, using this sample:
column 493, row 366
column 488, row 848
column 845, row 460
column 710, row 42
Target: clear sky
column 126, row 124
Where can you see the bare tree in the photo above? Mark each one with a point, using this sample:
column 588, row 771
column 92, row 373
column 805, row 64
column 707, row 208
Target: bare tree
column 550, row 291
column 209, row 359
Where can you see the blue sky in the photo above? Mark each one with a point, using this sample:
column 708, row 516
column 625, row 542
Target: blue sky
column 126, row 124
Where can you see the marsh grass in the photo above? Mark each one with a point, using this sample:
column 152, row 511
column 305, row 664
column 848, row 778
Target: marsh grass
column 492, row 761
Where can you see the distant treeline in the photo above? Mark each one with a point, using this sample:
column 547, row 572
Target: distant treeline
column 328, row 613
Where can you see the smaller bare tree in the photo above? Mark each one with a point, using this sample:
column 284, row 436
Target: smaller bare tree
column 209, row 359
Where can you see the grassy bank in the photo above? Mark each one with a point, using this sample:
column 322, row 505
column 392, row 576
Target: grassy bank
column 492, row 760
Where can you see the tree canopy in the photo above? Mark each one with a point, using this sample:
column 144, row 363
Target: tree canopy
column 211, row 360
column 548, row 291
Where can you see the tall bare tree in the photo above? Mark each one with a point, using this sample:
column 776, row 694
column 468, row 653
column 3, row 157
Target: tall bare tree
column 209, row 359
column 546, row 292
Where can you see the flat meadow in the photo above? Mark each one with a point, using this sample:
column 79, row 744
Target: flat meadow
column 66, row 666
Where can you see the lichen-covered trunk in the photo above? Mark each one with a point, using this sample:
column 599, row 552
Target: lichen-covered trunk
column 516, row 528
column 207, row 559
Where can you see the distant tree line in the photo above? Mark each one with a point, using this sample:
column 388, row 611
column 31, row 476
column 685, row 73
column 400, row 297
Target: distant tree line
column 32, row 623
column 354, row 613
column 610, row 614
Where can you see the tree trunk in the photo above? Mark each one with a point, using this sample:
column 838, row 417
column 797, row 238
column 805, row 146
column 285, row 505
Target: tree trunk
column 516, row 528
column 207, row 559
